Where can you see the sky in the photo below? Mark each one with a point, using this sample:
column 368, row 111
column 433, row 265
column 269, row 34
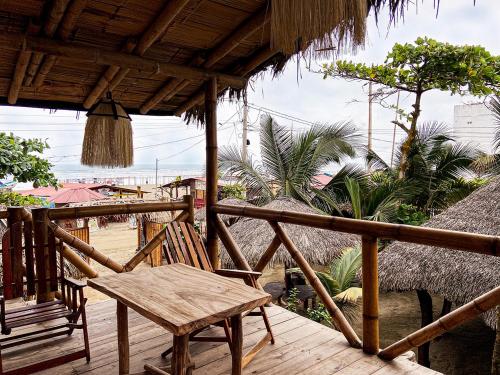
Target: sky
column 298, row 92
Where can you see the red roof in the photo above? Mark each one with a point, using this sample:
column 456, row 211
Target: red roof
column 47, row 191
column 321, row 180
column 77, row 195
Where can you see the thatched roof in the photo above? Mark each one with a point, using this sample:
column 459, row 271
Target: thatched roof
column 457, row 275
column 156, row 55
column 318, row 246
column 200, row 214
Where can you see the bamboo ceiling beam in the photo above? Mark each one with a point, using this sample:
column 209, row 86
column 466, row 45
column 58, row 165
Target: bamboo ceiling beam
column 244, row 30
column 92, row 55
column 256, row 60
column 17, row 79
column 55, row 16
column 65, row 29
column 155, row 30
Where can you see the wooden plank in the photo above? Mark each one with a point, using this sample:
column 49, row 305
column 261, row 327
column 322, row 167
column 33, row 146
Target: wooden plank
column 53, row 261
column 16, row 241
column 30, row 261
column 168, row 248
column 189, row 244
column 173, row 238
column 6, row 266
column 200, row 249
column 198, row 308
column 181, row 244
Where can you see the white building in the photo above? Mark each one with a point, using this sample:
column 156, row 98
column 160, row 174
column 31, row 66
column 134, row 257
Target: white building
column 474, row 123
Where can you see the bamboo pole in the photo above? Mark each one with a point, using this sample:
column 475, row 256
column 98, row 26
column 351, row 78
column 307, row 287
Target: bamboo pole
column 55, row 15
column 464, row 313
column 114, row 209
column 41, row 236
column 268, row 254
column 78, row 262
column 91, row 55
column 189, row 200
column 472, row 242
column 242, row 70
column 145, row 251
column 338, row 318
column 114, row 75
column 370, row 295
column 67, row 25
column 17, row 80
column 212, row 170
column 85, row 248
column 239, row 34
column 231, row 246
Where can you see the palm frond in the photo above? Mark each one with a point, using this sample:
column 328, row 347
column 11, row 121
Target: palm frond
column 345, row 268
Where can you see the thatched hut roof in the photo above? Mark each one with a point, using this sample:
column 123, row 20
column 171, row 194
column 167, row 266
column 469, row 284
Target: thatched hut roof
column 318, row 246
column 200, row 214
column 456, row 275
column 155, row 55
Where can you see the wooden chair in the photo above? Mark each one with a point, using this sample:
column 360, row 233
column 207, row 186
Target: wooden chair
column 30, row 270
column 184, row 245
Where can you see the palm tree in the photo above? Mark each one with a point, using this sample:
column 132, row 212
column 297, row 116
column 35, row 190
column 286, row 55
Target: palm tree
column 290, row 161
column 436, row 166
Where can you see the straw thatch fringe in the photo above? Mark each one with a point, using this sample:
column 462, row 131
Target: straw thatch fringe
column 318, row 246
column 328, row 24
column 108, row 142
column 456, row 275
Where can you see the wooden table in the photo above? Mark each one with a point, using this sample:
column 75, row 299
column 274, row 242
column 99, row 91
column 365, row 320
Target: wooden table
column 181, row 299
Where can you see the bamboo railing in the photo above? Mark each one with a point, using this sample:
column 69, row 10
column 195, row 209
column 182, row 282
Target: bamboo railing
column 45, row 215
column 370, row 233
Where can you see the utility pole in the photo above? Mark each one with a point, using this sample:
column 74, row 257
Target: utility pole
column 244, row 146
column 369, row 116
column 156, row 173
column 394, row 131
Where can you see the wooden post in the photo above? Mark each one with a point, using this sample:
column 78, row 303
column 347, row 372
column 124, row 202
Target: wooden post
column 189, row 199
column 370, row 295
column 15, row 224
column 123, row 345
column 426, row 311
column 211, row 161
column 338, row 318
column 180, row 355
column 139, row 193
column 41, row 238
column 237, row 344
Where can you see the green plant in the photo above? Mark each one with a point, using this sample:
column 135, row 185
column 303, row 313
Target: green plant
column 18, row 159
column 489, row 164
column 420, row 67
column 411, row 215
column 319, row 314
column 289, row 161
column 233, row 191
column 16, row 199
column 292, row 301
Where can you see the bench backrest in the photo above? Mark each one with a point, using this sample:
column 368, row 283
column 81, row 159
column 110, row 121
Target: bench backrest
column 27, row 269
column 185, row 245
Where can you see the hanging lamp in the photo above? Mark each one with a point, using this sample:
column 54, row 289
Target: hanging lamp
column 108, row 139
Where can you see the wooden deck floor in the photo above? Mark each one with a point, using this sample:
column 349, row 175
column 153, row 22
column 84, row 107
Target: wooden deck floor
column 302, row 347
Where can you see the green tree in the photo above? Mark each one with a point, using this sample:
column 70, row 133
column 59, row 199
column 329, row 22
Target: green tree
column 421, row 67
column 19, row 159
column 289, row 161
column 489, row 164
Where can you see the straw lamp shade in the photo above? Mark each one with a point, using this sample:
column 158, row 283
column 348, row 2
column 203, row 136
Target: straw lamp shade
column 108, row 136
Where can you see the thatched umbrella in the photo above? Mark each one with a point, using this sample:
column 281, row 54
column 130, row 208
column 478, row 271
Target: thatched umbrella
column 458, row 276
column 201, row 214
column 319, row 246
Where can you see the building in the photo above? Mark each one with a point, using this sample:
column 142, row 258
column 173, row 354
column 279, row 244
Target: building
column 474, row 123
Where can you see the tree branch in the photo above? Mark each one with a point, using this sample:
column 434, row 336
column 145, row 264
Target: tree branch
column 402, row 126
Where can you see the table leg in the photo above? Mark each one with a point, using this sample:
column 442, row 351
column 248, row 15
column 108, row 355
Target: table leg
column 237, row 343
column 180, row 355
column 123, row 346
